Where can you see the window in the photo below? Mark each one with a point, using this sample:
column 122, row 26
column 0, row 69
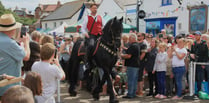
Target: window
column 61, row 22
column 45, row 25
column 166, row 2
column 55, row 25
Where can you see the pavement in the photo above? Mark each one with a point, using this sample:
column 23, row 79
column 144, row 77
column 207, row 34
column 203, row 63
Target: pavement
column 86, row 97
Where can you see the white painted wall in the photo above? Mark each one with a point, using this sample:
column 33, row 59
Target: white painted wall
column 111, row 8
column 155, row 6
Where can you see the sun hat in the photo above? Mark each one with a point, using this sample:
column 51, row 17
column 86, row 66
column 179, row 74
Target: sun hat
column 7, row 23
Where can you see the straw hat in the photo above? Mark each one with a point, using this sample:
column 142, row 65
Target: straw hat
column 7, row 23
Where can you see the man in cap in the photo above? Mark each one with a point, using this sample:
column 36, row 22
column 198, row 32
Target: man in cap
column 199, row 53
column 11, row 54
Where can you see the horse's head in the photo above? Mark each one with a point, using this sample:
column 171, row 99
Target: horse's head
column 112, row 31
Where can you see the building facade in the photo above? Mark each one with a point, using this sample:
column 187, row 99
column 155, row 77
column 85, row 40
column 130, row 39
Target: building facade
column 175, row 16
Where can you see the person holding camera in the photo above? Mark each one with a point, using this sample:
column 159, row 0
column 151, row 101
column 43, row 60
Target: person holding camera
column 50, row 71
column 11, row 53
column 199, row 53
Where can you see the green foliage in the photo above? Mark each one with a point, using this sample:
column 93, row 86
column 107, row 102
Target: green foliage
column 23, row 20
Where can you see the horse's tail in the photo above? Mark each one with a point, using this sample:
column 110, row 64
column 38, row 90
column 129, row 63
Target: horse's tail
column 74, row 64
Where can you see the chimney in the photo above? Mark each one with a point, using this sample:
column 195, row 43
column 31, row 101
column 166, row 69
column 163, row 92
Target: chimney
column 16, row 8
column 58, row 4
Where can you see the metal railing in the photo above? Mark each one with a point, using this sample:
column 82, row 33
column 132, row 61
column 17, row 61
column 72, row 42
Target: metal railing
column 192, row 74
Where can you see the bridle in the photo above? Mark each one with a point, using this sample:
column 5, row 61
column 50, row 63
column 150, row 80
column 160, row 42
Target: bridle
column 113, row 37
column 107, row 45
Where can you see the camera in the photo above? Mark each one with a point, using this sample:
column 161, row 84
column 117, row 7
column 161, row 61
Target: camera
column 55, row 54
column 23, row 31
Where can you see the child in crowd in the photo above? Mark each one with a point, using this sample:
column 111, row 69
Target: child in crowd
column 34, row 83
column 17, row 94
column 160, row 68
column 50, row 71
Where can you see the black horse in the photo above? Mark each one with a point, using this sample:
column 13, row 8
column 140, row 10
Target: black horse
column 104, row 56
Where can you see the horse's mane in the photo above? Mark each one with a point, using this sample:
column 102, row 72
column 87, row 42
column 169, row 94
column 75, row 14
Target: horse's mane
column 107, row 26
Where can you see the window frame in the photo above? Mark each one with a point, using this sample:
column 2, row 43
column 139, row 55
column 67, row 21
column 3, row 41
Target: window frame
column 168, row 2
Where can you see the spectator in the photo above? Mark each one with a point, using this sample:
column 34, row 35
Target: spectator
column 132, row 62
column 151, row 55
column 49, row 73
column 34, row 83
column 4, row 76
column 11, row 54
column 163, row 31
column 76, row 36
column 65, row 52
column 36, row 36
column 35, row 51
column 199, row 52
column 125, row 43
column 18, row 94
column 160, row 68
column 178, row 65
column 143, row 49
column 206, row 38
column 46, row 39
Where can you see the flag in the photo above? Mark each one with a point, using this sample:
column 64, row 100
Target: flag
column 82, row 12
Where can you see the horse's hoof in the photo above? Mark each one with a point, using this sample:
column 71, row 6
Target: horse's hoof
column 114, row 101
column 96, row 96
column 73, row 93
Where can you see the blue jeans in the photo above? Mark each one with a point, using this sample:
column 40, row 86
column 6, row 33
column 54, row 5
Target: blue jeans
column 132, row 74
column 161, row 82
column 207, row 73
column 199, row 77
column 178, row 73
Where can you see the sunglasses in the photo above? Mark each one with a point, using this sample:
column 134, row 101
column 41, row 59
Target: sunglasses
column 138, row 35
column 165, row 38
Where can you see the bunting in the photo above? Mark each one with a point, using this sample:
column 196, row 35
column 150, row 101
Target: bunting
column 166, row 13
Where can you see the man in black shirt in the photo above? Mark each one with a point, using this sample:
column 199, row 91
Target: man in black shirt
column 132, row 62
column 199, row 53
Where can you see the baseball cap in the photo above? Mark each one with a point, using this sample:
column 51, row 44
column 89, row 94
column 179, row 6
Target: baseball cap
column 197, row 33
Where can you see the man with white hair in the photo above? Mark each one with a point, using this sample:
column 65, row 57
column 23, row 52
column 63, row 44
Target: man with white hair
column 132, row 62
column 11, row 54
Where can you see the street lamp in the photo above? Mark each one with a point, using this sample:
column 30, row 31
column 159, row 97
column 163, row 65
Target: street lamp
column 138, row 4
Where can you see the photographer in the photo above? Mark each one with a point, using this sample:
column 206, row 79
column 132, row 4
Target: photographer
column 199, row 53
column 11, row 54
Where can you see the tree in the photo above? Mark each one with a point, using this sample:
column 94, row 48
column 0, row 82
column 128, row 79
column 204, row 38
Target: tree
column 23, row 20
column 91, row 0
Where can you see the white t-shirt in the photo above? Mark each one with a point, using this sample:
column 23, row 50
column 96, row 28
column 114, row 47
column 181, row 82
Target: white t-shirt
column 176, row 62
column 49, row 75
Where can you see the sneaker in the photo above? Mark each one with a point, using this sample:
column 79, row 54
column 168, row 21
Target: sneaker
column 176, row 98
column 157, row 96
column 162, row 97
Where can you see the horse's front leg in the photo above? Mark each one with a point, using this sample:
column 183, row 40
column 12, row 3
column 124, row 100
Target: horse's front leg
column 99, row 88
column 110, row 89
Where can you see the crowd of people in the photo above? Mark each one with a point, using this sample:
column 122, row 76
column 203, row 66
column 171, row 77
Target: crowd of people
column 42, row 60
column 165, row 59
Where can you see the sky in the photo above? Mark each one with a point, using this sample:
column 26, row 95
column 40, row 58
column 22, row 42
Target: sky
column 29, row 4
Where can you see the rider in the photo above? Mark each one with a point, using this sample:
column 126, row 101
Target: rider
column 92, row 29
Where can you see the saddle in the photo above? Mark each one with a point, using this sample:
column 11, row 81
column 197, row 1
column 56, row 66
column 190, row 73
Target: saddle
column 82, row 48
